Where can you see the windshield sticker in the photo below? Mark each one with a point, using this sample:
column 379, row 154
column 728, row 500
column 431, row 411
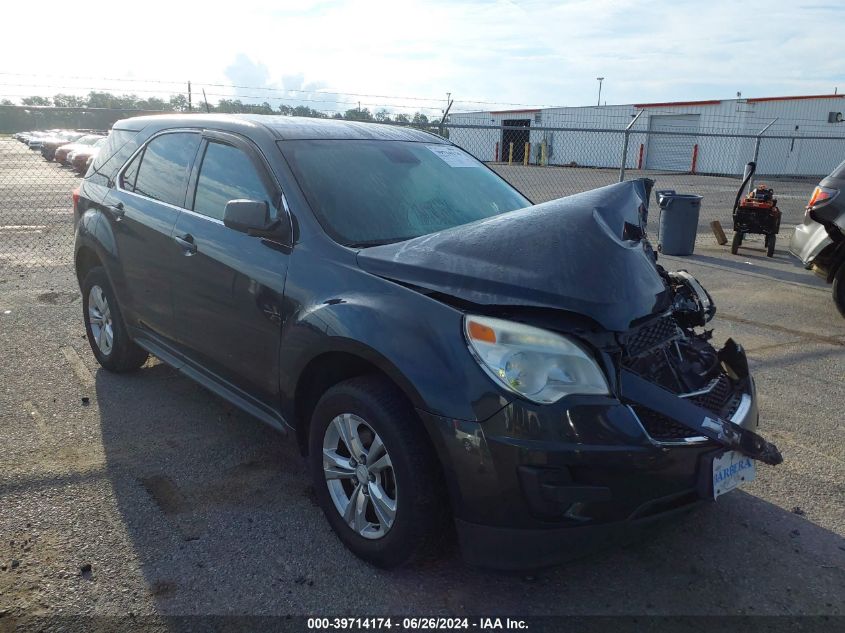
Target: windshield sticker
column 453, row 157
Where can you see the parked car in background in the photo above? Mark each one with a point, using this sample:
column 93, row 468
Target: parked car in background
column 819, row 242
column 25, row 137
column 35, row 139
column 50, row 144
column 80, row 158
column 85, row 142
column 440, row 348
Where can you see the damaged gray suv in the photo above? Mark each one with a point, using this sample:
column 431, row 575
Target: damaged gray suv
column 446, row 354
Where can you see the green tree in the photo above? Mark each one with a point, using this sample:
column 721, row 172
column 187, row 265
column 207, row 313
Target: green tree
column 179, row 103
column 6, row 102
column 383, row 116
column 420, row 120
column 69, row 101
column 109, row 100
column 153, row 103
column 402, row 118
column 261, row 108
column 230, row 105
column 357, row 114
column 306, row 111
column 37, row 101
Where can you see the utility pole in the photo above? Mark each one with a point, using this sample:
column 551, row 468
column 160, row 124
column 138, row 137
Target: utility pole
column 600, row 80
column 189, row 97
column 445, row 112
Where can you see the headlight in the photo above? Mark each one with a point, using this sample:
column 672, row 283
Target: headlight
column 534, row 363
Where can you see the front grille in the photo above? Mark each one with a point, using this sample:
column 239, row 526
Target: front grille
column 650, row 336
column 734, row 400
column 661, row 427
column 717, row 397
column 721, row 399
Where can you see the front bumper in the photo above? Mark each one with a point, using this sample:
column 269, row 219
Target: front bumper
column 508, row 548
column 535, row 485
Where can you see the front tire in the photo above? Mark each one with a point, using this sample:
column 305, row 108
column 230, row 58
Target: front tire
column 839, row 289
column 107, row 333
column 375, row 473
column 737, row 242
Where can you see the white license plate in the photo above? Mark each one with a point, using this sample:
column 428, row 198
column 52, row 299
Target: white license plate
column 731, row 469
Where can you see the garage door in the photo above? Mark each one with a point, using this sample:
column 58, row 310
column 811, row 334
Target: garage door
column 669, row 151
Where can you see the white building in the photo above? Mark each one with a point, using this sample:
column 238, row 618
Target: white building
column 708, row 137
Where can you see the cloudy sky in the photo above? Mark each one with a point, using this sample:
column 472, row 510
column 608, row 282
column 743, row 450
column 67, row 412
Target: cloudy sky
column 382, row 53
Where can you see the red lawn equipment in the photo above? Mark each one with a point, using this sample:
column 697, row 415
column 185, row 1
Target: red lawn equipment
column 756, row 213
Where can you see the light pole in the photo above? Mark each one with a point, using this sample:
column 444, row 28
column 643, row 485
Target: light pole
column 599, row 79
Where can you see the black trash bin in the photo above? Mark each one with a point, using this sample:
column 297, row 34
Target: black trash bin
column 678, row 224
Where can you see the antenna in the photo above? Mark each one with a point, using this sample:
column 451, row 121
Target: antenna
column 205, row 99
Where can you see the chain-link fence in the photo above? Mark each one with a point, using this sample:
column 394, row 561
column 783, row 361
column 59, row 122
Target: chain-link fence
column 550, row 162
column 36, row 219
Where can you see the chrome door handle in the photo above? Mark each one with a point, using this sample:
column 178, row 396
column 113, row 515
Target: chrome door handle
column 186, row 241
column 116, row 211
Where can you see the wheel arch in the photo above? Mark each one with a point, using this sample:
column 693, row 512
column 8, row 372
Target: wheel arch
column 86, row 259
column 330, row 367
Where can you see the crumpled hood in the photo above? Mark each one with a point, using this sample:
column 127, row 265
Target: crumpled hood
column 569, row 254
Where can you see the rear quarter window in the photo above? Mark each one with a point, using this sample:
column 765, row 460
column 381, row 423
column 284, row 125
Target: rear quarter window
column 120, row 145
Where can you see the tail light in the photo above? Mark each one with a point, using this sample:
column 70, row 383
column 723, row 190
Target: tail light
column 821, row 196
column 76, row 201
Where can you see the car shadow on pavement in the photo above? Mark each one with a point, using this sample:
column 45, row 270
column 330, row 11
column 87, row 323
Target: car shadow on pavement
column 781, row 267
column 223, row 520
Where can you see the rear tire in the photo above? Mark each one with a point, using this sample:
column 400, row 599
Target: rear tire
column 107, row 333
column 839, row 289
column 737, row 242
column 396, row 512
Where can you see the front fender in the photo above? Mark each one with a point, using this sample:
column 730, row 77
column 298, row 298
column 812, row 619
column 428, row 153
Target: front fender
column 415, row 340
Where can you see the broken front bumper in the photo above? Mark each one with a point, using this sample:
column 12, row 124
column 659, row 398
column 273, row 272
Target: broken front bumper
column 538, row 484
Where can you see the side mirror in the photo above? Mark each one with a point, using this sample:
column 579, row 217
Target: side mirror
column 246, row 215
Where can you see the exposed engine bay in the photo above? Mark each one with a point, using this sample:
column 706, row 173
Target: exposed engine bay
column 671, row 352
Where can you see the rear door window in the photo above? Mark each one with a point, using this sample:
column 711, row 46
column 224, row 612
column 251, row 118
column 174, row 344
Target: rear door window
column 130, row 174
column 227, row 173
column 164, row 167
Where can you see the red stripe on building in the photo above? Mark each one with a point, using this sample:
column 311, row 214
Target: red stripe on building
column 513, row 111
column 760, row 99
column 677, row 103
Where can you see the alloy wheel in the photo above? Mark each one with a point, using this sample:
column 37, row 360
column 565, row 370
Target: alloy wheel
column 100, row 320
column 359, row 475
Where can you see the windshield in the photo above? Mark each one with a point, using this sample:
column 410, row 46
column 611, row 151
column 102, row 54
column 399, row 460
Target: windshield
column 368, row 192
